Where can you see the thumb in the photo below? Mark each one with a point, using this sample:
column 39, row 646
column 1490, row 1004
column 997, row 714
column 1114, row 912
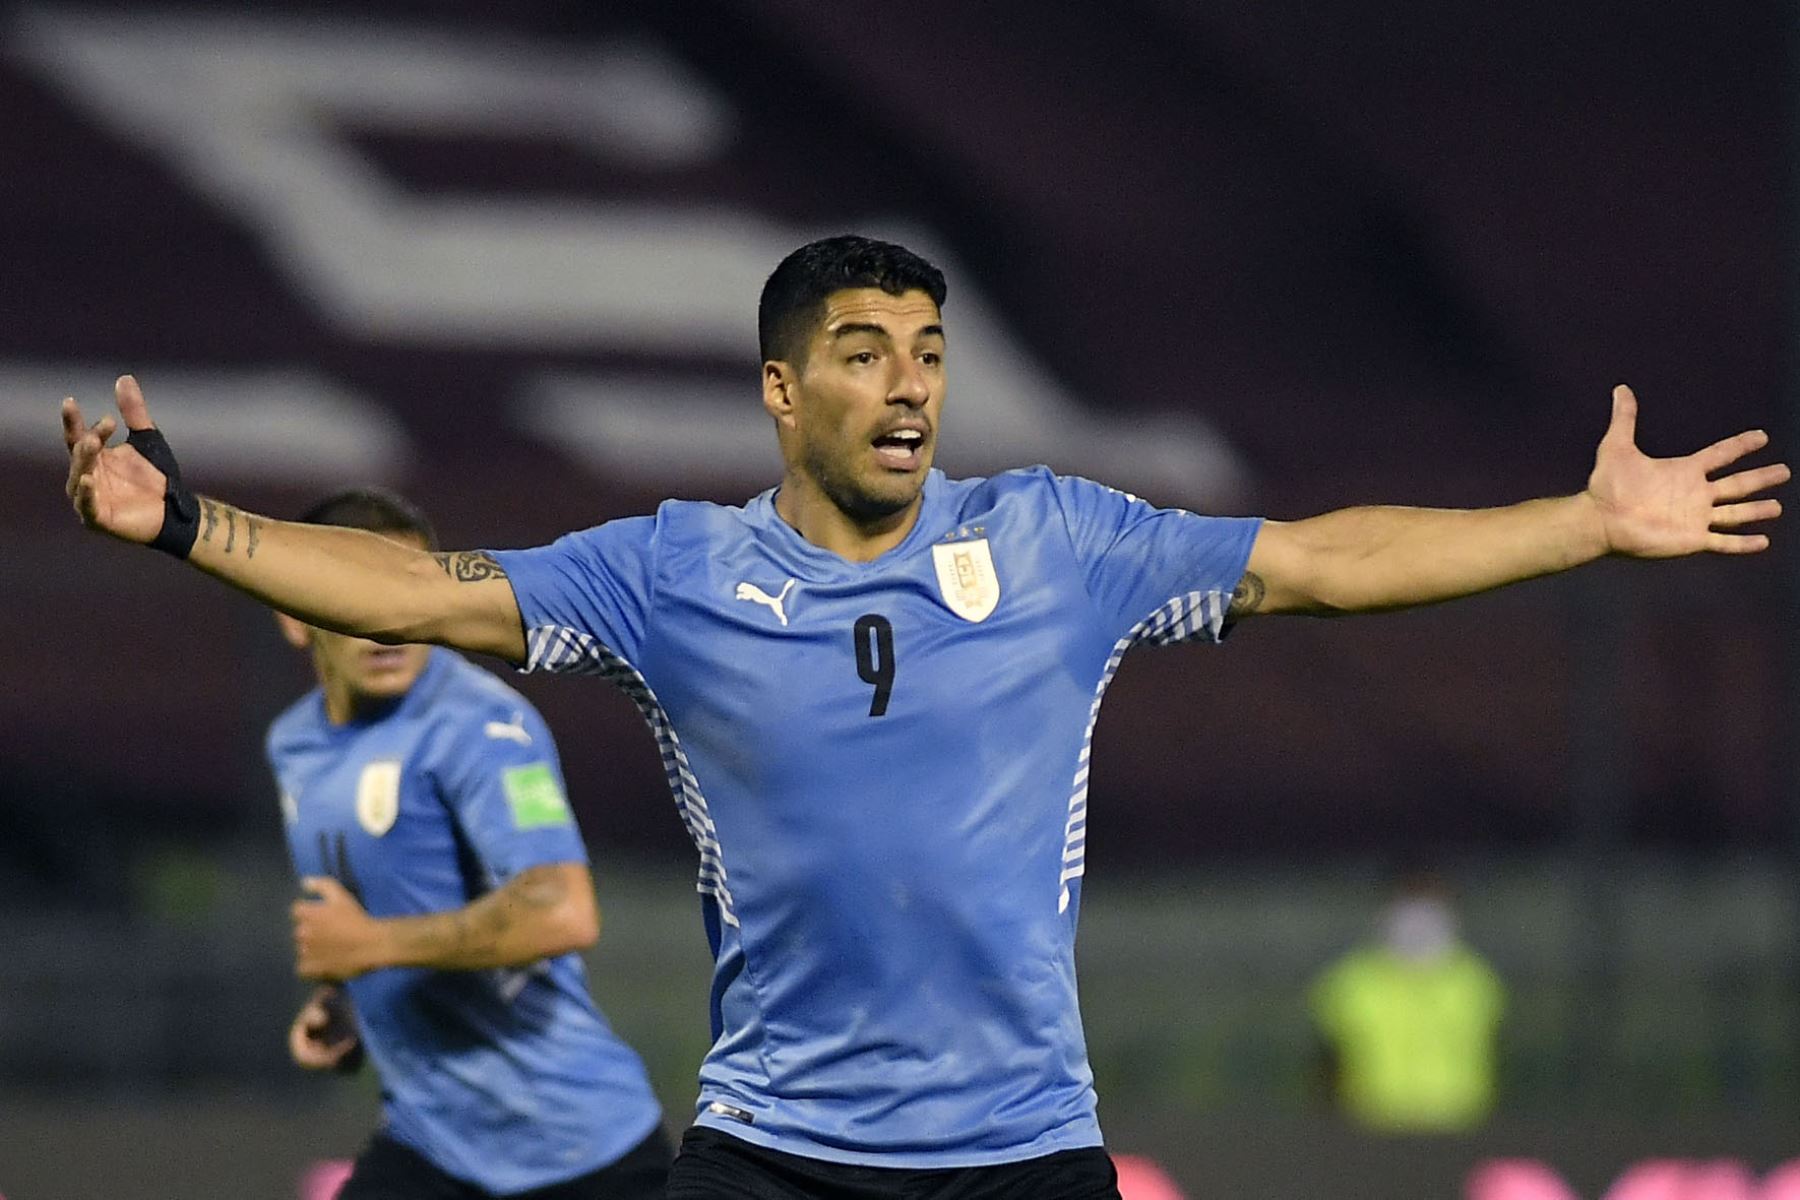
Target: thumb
column 1624, row 417
column 131, row 403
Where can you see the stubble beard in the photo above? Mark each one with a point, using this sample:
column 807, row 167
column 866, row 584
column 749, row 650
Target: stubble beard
column 851, row 497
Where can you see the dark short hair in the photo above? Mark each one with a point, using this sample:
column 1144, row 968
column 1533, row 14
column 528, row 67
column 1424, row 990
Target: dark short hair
column 796, row 290
column 375, row 509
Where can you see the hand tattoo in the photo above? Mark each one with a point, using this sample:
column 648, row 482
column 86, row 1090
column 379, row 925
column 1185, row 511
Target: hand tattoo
column 470, row 566
column 1247, row 597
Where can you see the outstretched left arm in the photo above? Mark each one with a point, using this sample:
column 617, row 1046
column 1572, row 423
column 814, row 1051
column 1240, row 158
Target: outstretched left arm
column 1379, row 558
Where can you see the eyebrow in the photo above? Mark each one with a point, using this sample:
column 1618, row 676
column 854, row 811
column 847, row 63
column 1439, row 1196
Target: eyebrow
column 850, row 327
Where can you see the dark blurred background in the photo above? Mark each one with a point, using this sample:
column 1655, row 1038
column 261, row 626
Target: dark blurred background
column 1268, row 257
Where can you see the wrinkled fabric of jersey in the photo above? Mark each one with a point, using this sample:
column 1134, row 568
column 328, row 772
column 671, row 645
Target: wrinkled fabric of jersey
column 884, row 766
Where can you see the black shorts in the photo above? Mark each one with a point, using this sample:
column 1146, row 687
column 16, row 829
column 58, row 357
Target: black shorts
column 389, row 1171
column 717, row 1166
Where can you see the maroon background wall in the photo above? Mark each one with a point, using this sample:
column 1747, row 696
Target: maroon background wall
column 1394, row 252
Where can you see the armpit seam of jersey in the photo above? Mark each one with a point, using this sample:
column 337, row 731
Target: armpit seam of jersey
column 580, row 650
column 1170, row 622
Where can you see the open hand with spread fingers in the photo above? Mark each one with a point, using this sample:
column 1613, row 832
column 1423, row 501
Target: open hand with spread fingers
column 115, row 489
column 1667, row 507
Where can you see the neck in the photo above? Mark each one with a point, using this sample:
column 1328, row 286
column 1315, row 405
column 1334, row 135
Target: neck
column 818, row 519
column 343, row 704
column 340, row 702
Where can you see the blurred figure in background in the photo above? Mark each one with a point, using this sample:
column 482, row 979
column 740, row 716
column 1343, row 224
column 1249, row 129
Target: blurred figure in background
column 450, row 894
column 1409, row 1023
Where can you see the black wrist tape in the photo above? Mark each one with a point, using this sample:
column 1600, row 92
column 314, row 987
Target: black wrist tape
column 181, row 510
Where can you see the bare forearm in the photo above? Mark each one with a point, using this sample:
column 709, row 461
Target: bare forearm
column 536, row 915
column 347, row 580
column 1372, row 559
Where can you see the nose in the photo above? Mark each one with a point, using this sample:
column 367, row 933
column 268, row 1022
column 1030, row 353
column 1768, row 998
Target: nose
column 909, row 385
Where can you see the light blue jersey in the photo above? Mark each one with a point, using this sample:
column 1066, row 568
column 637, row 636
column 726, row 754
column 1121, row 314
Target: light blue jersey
column 507, row 1079
column 884, row 766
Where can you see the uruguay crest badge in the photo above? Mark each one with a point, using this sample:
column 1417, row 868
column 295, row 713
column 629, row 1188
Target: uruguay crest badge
column 378, row 796
column 965, row 572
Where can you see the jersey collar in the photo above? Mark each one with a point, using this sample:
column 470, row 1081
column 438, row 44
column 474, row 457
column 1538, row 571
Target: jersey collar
column 760, row 514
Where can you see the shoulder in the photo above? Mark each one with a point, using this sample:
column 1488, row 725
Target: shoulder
column 674, row 524
column 1476, row 969
column 293, row 725
column 1032, row 486
column 682, row 522
column 1356, row 968
column 472, row 695
column 1039, row 494
column 475, row 720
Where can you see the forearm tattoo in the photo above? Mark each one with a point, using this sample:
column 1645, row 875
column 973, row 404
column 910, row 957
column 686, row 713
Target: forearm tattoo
column 470, row 566
column 212, row 512
column 1247, row 597
column 477, row 930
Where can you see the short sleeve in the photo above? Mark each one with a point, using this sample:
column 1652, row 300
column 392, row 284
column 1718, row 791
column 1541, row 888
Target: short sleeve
column 1161, row 574
column 504, row 787
column 584, row 594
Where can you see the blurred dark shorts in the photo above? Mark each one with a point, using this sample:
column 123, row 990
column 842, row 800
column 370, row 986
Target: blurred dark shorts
column 717, row 1166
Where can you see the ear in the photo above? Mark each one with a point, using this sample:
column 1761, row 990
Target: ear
column 780, row 382
column 297, row 634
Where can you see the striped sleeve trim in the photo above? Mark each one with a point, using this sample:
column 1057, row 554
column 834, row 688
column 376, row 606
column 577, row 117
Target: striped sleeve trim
column 568, row 651
column 1184, row 618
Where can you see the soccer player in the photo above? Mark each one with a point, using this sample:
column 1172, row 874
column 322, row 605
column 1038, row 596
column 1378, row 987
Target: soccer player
column 449, row 898
column 875, row 689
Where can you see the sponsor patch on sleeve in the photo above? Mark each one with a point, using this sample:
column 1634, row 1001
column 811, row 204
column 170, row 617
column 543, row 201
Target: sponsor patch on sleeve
column 535, row 796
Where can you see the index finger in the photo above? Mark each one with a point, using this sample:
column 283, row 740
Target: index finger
column 73, row 424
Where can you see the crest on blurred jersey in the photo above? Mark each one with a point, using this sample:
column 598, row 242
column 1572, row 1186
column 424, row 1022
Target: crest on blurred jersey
column 378, row 796
column 965, row 572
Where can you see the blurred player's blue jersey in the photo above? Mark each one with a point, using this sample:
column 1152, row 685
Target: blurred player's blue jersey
column 508, row 1079
column 884, row 766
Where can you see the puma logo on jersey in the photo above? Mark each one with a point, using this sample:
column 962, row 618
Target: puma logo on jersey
column 513, row 731
column 755, row 595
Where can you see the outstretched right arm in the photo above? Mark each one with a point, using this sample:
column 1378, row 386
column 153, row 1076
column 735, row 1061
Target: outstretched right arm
column 347, row 580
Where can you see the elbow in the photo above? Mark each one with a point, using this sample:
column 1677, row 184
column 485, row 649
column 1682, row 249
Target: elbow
column 584, row 928
column 574, row 927
column 1323, row 606
column 1333, row 589
column 1312, row 598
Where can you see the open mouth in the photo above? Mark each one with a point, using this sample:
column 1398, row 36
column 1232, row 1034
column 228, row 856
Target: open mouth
column 900, row 449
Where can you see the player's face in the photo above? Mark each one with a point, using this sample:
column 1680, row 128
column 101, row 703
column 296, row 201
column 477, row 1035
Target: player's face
column 358, row 674
column 866, row 402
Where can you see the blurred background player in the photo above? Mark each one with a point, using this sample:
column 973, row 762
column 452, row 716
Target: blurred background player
column 1409, row 1023
column 449, row 897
